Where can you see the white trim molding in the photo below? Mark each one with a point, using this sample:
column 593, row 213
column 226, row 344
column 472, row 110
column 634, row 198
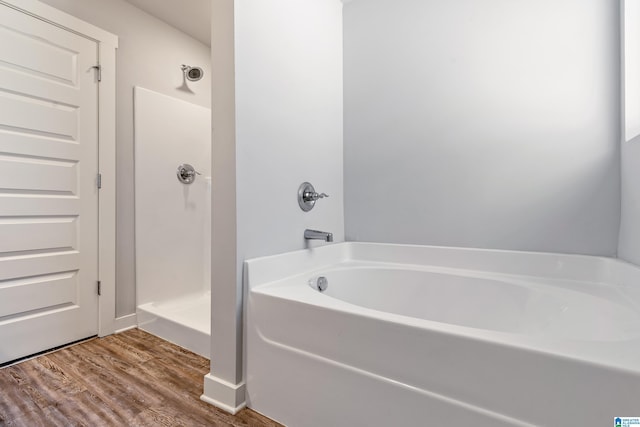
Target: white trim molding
column 224, row 395
column 107, row 45
column 124, row 323
column 107, row 198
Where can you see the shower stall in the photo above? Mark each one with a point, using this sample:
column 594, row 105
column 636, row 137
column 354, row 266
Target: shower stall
column 172, row 216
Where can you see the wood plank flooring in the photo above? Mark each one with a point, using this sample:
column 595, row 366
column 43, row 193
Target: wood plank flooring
column 129, row 379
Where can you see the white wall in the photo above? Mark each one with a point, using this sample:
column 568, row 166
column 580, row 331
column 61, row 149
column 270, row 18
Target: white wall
column 171, row 217
column 288, row 80
column 287, row 110
column 288, row 121
column 631, row 43
column 629, row 245
column 149, row 55
column 488, row 123
column 629, row 248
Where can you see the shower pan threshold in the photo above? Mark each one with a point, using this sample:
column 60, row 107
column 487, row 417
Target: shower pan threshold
column 185, row 321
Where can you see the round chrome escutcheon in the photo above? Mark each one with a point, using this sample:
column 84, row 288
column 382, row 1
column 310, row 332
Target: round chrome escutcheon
column 319, row 283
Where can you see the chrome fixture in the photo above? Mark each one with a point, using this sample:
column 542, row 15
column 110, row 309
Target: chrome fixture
column 318, row 235
column 192, row 74
column 307, row 196
column 319, row 283
column 186, row 173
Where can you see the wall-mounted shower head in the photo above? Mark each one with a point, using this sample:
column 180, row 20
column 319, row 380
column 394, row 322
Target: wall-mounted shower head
column 192, row 73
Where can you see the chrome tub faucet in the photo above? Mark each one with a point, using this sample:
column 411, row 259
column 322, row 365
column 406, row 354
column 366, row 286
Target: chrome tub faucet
column 318, row 235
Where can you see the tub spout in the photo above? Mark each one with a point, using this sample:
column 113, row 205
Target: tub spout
column 318, row 235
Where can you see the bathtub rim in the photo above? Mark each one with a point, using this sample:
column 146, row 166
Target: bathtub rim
column 315, row 259
column 269, row 267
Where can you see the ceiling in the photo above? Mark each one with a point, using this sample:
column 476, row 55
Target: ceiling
column 189, row 16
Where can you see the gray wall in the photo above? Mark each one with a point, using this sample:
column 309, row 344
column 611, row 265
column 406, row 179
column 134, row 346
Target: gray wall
column 278, row 108
column 288, row 62
column 149, row 55
column 629, row 248
column 489, row 123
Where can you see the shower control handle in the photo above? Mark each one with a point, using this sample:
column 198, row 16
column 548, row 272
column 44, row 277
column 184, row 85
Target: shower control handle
column 313, row 196
column 307, row 196
column 187, row 173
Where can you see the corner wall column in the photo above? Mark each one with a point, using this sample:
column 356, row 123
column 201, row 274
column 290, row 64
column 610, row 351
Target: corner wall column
column 224, row 386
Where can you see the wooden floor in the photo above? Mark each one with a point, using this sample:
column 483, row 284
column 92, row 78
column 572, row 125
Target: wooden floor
column 129, row 379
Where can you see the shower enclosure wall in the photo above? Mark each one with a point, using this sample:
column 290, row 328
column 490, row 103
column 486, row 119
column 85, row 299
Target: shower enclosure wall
column 173, row 220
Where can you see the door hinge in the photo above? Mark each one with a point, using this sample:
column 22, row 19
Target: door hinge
column 99, row 181
column 99, row 288
column 98, row 69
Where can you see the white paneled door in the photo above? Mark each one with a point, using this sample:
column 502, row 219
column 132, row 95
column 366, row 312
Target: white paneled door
column 48, row 186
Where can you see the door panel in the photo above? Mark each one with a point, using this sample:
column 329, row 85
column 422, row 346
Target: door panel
column 42, row 57
column 20, row 205
column 48, row 194
column 26, row 265
column 21, row 143
column 23, row 295
column 32, row 234
column 30, row 175
column 35, row 115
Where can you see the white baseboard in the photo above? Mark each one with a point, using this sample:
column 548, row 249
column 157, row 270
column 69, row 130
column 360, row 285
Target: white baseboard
column 125, row 323
column 224, row 395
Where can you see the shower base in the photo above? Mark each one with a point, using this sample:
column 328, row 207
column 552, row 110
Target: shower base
column 185, row 321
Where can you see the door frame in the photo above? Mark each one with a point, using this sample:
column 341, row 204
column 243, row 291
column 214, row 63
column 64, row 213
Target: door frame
column 107, row 45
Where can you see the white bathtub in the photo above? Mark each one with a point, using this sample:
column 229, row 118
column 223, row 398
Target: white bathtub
column 421, row 336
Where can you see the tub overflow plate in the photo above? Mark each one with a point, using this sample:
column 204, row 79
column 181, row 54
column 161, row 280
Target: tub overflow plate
column 319, row 283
